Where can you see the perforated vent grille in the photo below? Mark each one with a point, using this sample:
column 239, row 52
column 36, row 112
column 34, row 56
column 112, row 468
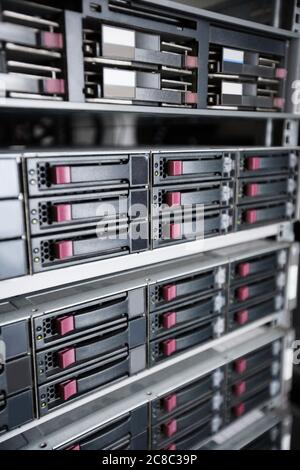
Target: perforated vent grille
column 48, row 328
column 46, row 252
column 43, row 175
column 51, row 394
column 45, row 213
column 50, row 361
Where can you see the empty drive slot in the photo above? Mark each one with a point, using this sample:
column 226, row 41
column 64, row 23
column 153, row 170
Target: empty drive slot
column 182, row 316
column 11, row 227
column 33, row 50
column 13, row 259
column 190, row 286
column 170, row 167
column 86, row 173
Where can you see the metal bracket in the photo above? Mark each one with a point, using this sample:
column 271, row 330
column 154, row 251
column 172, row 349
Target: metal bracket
column 286, row 233
column 290, row 132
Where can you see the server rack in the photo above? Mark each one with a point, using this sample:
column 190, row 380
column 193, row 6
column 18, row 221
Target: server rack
column 247, row 197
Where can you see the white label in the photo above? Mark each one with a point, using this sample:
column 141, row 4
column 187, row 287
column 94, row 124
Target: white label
column 293, row 281
column 237, row 427
column 118, row 36
column 286, row 442
column 233, row 55
column 288, row 364
column 121, row 78
column 231, row 88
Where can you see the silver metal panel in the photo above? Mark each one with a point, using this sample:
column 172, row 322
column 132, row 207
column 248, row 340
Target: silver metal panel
column 11, row 219
column 13, row 261
column 9, row 178
column 149, row 110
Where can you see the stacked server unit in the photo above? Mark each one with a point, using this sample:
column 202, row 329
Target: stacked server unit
column 138, row 54
column 92, row 205
column 96, row 334
column 146, row 292
column 12, row 231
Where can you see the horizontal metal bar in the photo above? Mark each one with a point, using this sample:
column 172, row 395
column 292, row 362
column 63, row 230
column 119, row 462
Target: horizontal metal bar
column 64, row 106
